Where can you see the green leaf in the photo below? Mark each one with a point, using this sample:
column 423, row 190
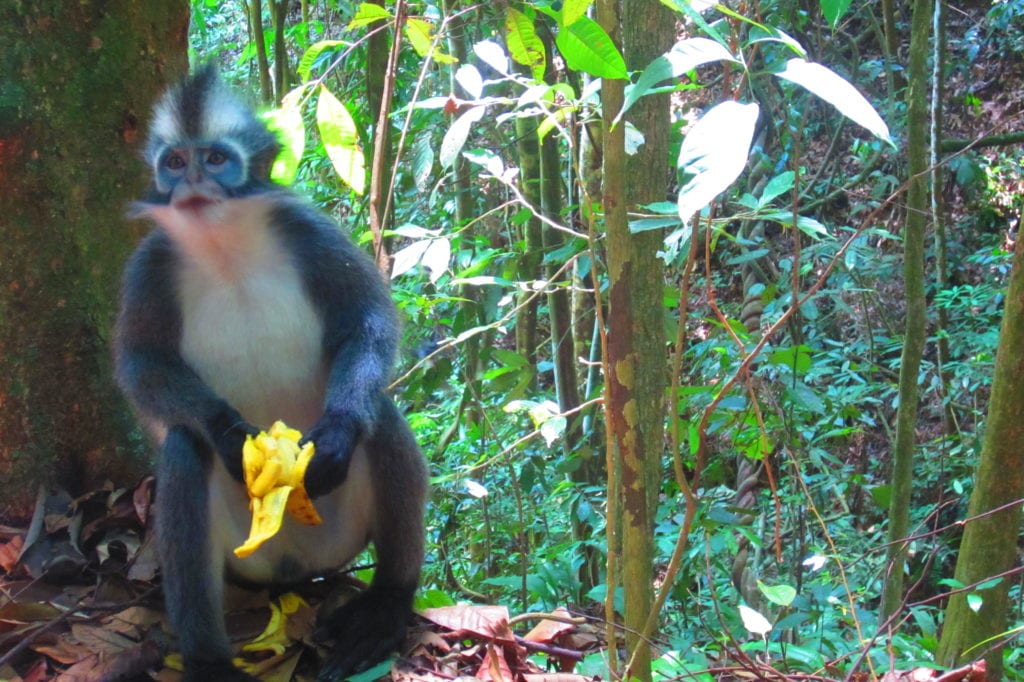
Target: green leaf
column 573, row 10
column 422, row 162
column 305, row 68
column 783, row 595
column 833, row 10
column 777, row 186
column 714, row 154
column 974, row 602
column 418, row 31
column 586, row 47
column 367, row 14
column 837, row 91
column 287, row 124
column 685, row 56
column 524, row 46
column 341, row 140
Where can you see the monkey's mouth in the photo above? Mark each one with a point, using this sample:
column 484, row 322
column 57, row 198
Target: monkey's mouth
column 196, row 203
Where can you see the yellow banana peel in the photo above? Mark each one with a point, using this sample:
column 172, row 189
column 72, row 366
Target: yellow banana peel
column 274, row 468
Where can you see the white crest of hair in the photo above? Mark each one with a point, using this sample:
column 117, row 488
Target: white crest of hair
column 223, row 114
column 166, row 124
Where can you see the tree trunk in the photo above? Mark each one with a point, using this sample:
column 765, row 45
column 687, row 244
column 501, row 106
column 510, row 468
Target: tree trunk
column 989, row 545
column 528, row 268
column 73, row 106
column 635, row 363
column 262, row 61
column 913, row 276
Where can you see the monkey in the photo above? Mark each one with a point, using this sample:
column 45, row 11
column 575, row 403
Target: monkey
column 244, row 305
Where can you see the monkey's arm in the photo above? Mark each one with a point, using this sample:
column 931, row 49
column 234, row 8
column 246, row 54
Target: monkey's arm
column 360, row 342
column 161, row 386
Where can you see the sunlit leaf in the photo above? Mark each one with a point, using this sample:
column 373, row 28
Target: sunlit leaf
column 837, row 91
column 420, row 35
column 305, row 67
column 783, row 595
column 974, row 602
column 455, row 139
column 714, row 154
column 754, row 622
column 685, row 56
column 341, row 140
column 573, row 10
column 586, row 47
column 287, row 124
column 524, row 46
column 492, row 54
column 367, row 14
column 468, row 76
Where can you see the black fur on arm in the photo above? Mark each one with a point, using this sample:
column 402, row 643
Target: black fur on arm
column 162, row 388
column 360, row 337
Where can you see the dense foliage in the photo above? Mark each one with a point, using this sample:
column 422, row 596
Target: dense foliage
column 786, row 188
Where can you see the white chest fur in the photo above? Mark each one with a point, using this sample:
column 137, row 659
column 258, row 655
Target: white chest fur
column 248, row 327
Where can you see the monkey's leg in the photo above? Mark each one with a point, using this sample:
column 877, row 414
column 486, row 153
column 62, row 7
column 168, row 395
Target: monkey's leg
column 372, row 625
column 193, row 579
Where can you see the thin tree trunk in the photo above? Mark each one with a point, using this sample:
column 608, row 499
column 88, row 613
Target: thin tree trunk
column 279, row 13
column 262, row 61
column 913, row 275
column 528, row 266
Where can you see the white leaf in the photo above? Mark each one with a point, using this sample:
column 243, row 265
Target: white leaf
column 405, row 259
column 754, row 622
column 493, row 55
column 714, row 154
column 456, row 136
column 476, row 490
column 837, row 91
column 469, row 78
column 436, row 257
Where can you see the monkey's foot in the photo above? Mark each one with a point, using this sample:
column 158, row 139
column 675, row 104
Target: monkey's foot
column 365, row 631
column 216, row 671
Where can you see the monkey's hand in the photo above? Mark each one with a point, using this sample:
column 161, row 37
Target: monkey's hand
column 228, row 430
column 335, row 435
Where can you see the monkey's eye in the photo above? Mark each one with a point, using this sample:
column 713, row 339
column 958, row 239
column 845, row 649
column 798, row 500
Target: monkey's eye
column 216, row 158
column 175, row 162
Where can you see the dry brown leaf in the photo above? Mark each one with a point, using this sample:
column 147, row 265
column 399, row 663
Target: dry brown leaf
column 488, row 622
column 547, row 630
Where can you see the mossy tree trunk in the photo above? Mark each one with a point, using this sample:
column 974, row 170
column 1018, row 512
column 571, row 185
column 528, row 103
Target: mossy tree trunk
column 77, row 80
column 989, row 545
column 913, row 285
column 635, row 362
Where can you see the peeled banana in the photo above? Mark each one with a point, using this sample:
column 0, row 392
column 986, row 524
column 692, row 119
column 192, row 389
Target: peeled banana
column 275, row 469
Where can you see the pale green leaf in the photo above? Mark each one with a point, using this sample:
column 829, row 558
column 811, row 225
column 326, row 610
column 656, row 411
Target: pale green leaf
column 422, row 162
column 305, row 68
column 685, row 56
column 524, row 46
column 974, row 602
column 783, row 595
column 573, row 10
column 586, row 47
column 419, row 33
column 714, row 154
column 469, row 78
column 341, row 140
column 455, row 139
column 367, row 14
column 837, row 91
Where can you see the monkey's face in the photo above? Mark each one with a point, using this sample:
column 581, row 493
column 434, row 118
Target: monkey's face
column 196, row 177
